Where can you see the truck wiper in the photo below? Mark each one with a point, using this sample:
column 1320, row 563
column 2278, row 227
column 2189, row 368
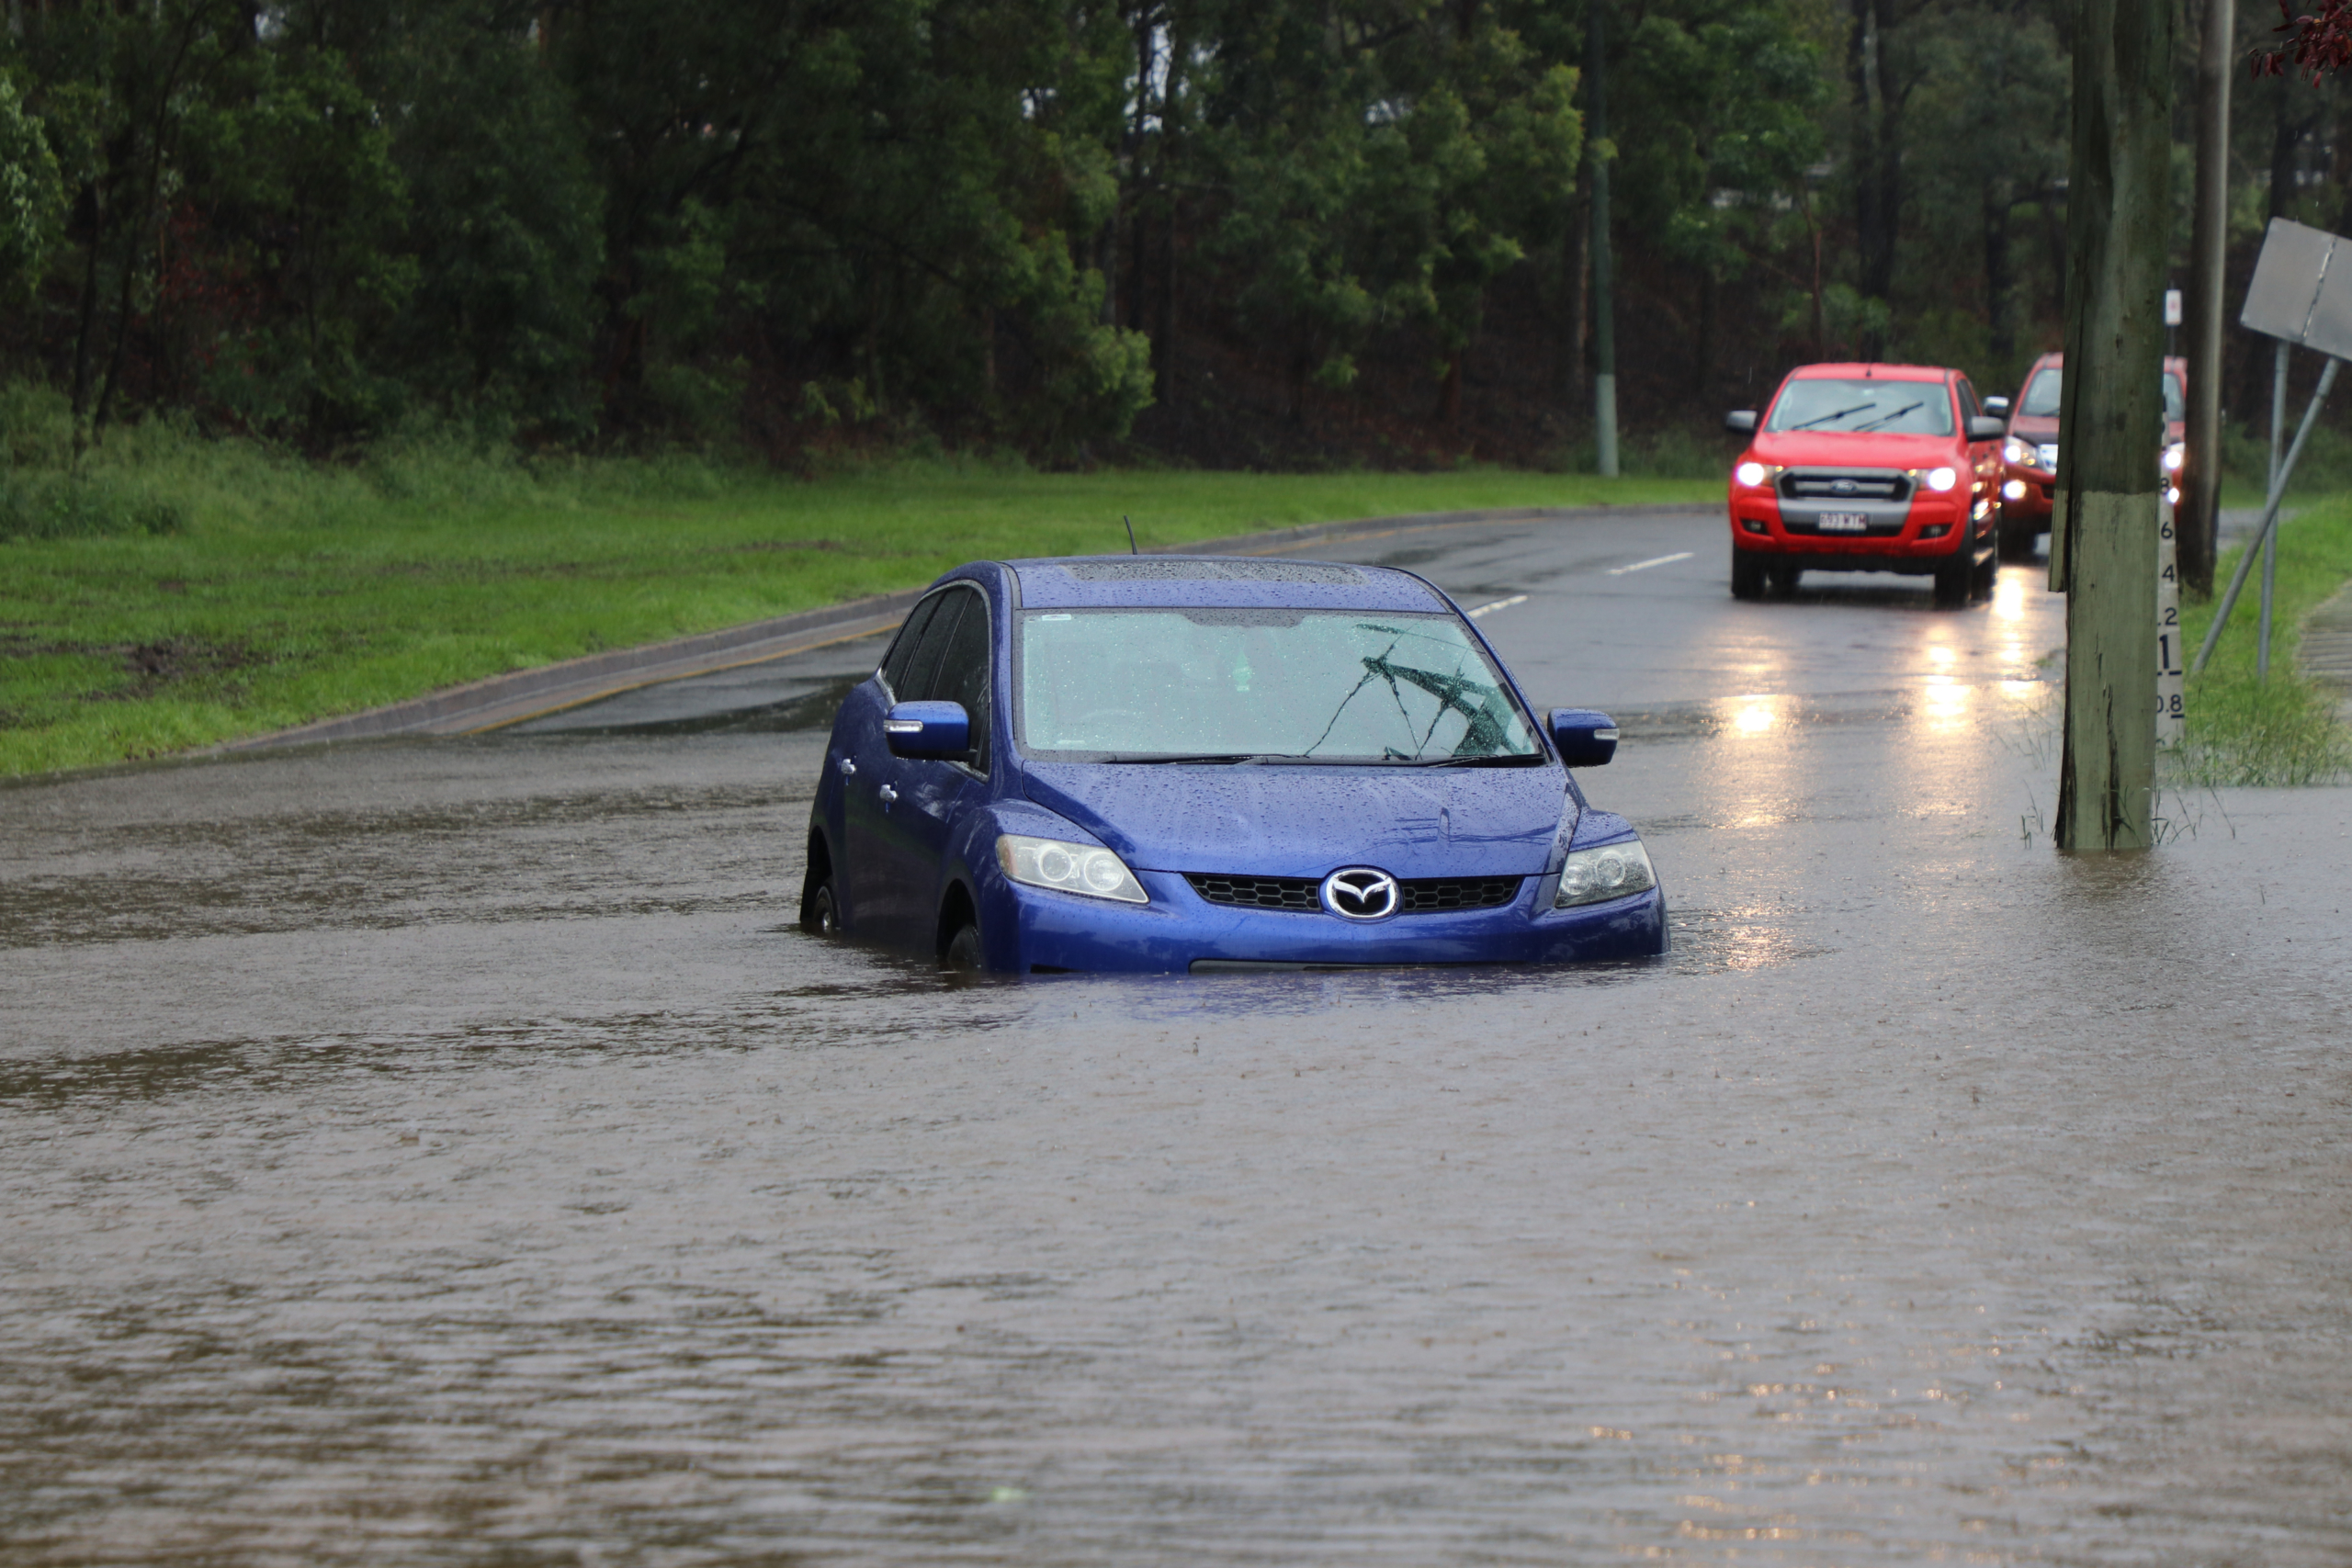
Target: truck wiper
column 1825, row 419
column 1898, row 413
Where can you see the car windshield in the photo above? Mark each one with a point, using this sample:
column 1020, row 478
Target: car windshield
column 1864, row 406
column 1262, row 685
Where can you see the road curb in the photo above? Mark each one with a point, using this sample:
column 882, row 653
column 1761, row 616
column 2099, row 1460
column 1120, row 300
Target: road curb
column 2325, row 652
column 498, row 701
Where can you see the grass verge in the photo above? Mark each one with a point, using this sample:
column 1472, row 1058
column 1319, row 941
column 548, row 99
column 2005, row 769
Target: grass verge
column 2287, row 729
column 285, row 591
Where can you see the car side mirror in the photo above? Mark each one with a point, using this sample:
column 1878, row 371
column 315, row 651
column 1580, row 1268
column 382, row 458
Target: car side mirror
column 1997, row 407
column 1740, row 422
column 940, row 731
column 1983, row 428
column 1586, row 739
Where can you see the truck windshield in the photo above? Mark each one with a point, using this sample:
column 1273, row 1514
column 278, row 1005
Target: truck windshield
column 2045, row 392
column 1262, row 686
column 1864, row 406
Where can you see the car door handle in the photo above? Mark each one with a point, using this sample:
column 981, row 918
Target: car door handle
column 888, row 794
column 848, row 767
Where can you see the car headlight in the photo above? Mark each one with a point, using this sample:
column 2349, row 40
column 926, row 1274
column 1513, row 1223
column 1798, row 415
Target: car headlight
column 1940, row 478
column 2019, row 452
column 1588, row 876
column 1068, row 868
column 2174, row 456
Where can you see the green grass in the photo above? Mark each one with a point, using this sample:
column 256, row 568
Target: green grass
column 2284, row 729
column 282, row 591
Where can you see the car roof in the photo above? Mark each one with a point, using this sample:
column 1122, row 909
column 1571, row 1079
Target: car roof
column 1220, row 581
column 1861, row 370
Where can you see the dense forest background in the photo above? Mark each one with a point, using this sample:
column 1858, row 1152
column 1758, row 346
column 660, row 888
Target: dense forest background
column 1270, row 233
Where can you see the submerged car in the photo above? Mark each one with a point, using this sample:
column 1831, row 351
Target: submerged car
column 1867, row 468
column 1185, row 764
column 2030, row 491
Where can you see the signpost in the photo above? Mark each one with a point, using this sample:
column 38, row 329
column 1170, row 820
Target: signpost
column 2302, row 293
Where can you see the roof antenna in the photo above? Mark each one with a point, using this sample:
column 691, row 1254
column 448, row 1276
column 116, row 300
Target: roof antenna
column 1131, row 534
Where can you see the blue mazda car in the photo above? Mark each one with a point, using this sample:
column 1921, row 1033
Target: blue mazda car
column 1184, row 763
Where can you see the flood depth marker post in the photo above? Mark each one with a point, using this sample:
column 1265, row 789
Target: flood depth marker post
column 2302, row 293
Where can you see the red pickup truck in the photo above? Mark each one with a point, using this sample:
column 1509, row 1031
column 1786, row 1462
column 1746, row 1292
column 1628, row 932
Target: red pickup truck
column 1868, row 468
column 2029, row 493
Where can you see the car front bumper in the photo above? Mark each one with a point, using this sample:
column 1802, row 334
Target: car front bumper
column 1180, row 931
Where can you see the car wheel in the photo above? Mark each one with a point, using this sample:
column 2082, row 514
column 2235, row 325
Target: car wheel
column 2016, row 538
column 1953, row 580
column 823, row 911
column 963, row 949
column 1987, row 576
column 1746, row 575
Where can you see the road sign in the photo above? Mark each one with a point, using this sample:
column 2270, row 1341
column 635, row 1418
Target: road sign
column 2302, row 288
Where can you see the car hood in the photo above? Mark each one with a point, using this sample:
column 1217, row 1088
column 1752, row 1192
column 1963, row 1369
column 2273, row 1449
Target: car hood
column 1793, row 449
column 1307, row 822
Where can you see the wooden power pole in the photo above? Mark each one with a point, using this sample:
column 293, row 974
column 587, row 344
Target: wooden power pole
column 2200, row 480
column 2117, row 221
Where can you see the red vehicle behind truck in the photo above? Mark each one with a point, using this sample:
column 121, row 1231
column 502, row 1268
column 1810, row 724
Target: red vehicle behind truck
column 2031, row 452
column 1868, row 468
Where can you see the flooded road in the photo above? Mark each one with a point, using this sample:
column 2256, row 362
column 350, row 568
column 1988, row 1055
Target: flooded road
column 450, row 1152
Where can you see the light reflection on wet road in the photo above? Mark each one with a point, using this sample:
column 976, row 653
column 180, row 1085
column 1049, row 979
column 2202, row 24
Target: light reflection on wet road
column 449, row 1154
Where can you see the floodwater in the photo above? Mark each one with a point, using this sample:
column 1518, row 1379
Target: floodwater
column 450, row 1152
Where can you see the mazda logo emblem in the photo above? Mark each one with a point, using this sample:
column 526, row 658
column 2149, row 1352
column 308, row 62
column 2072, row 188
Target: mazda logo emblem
column 1359, row 892
column 1843, row 487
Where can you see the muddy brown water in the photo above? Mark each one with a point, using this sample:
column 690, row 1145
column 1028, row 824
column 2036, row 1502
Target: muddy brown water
column 450, row 1153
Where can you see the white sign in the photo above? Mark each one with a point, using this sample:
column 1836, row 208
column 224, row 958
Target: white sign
column 2172, row 307
column 2171, row 716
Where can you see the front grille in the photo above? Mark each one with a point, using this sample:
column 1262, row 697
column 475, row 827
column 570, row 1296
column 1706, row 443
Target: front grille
column 1830, row 485
column 1416, row 896
column 1259, row 892
column 1437, row 894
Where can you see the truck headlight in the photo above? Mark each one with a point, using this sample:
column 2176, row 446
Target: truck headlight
column 1612, row 871
column 1087, row 869
column 2174, row 456
column 1940, row 478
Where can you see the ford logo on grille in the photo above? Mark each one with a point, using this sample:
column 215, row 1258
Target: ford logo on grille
column 1359, row 892
column 1843, row 487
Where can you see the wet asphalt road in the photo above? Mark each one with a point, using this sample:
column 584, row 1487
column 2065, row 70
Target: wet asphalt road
column 448, row 1152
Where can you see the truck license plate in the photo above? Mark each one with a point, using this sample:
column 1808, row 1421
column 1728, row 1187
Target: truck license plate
column 1844, row 522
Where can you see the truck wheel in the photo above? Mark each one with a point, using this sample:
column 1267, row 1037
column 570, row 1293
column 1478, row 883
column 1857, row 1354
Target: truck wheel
column 1780, row 578
column 1953, row 579
column 1746, row 575
column 2017, row 537
column 1987, row 576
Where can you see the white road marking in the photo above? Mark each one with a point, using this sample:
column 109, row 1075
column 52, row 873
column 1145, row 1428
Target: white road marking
column 1654, row 561
column 1498, row 604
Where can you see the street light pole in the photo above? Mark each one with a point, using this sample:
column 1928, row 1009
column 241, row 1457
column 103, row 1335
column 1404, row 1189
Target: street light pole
column 2198, row 525
column 1604, row 299
column 2116, row 225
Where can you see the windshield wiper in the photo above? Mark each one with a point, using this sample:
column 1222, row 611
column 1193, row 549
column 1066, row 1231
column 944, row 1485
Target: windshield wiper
column 1825, row 419
column 1486, row 760
column 1898, row 413
column 1157, row 757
